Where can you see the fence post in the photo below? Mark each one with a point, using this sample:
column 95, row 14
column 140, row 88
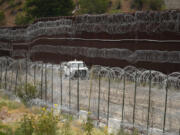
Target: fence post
column 78, row 91
column 16, row 81
column 165, row 108
column 61, row 84
column 149, row 101
column 35, row 75
column 45, row 82
column 99, row 96
column 123, row 102
column 26, row 75
column 109, row 92
column 6, row 72
column 90, row 90
column 42, row 79
column 52, row 86
column 69, row 89
column 11, row 79
column 134, row 107
column 1, row 76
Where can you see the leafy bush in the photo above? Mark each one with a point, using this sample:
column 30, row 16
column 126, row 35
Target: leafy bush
column 2, row 1
column 116, row 7
column 93, row 6
column 122, row 132
column 2, row 103
column 88, row 125
column 114, row 11
column 26, row 126
column 66, row 129
column 138, row 4
column 48, row 8
column 22, row 19
column 43, row 124
column 5, row 130
column 156, row 4
column 11, row 3
column 27, row 92
column 46, row 123
column 149, row 4
column 10, row 104
column 2, row 18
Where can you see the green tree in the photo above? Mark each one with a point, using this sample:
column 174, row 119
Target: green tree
column 156, row 4
column 149, row 4
column 138, row 4
column 93, row 6
column 2, row 18
column 23, row 19
column 48, row 8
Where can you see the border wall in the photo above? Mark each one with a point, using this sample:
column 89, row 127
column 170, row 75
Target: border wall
column 148, row 40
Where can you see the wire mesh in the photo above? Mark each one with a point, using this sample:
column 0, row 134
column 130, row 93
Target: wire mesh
column 144, row 99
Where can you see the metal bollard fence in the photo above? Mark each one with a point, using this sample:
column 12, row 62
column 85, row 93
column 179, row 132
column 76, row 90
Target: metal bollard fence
column 99, row 97
column 78, row 91
column 123, row 102
column 109, row 94
column 52, row 81
column 165, row 108
column 134, row 107
column 69, row 89
column 149, row 101
column 42, row 67
column 6, row 68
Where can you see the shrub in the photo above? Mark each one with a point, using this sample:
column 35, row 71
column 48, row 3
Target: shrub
column 26, row 126
column 2, row 1
column 122, row 132
column 48, row 8
column 114, row 11
column 27, row 92
column 2, row 18
column 117, row 4
column 11, row 3
column 66, row 129
column 149, row 4
column 46, row 123
column 5, row 130
column 88, row 125
column 93, row 6
column 22, row 19
column 13, row 105
column 10, row 104
column 2, row 104
column 115, row 7
column 156, row 4
column 43, row 124
column 138, row 4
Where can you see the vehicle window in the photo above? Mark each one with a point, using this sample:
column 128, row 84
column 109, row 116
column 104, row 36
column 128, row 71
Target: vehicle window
column 75, row 65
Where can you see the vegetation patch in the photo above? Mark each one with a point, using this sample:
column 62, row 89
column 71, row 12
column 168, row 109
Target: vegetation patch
column 2, row 18
column 27, row 92
column 148, row 4
column 93, row 6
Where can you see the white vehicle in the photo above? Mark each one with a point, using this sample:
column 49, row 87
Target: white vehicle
column 74, row 69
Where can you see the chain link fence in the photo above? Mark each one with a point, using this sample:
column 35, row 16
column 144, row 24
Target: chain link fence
column 139, row 98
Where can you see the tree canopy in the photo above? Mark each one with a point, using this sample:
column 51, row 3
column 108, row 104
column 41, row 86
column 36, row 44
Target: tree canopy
column 93, row 6
column 48, row 8
column 149, row 4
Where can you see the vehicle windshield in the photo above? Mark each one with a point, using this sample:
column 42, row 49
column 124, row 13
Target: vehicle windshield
column 75, row 65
